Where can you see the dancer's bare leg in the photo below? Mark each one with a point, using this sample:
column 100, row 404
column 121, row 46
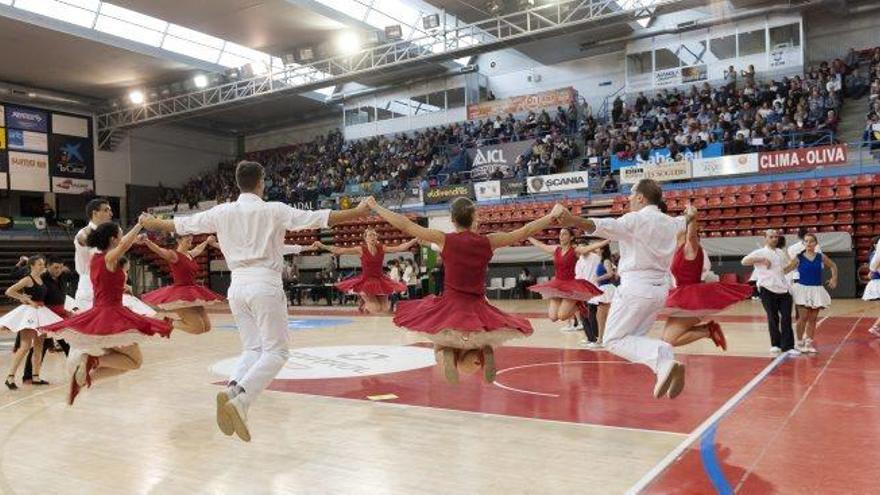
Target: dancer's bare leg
column 601, row 318
column 117, row 360
column 373, row 304
column 681, row 331
column 27, row 337
column 802, row 322
column 553, row 309
column 567, row 309
column 193, row 320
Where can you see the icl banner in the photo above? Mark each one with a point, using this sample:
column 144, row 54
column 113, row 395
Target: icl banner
column 71, row 157
column 662, row 155
column 28, row 171
column 27, row 119
column 486, row 160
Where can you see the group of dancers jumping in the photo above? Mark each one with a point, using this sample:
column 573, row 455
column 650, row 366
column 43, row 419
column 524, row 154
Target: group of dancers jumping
column 461, row 323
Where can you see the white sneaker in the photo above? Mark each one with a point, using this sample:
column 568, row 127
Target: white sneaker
column 875, row 331
column 775, row 350
column 224, row 422
column 570, row 328
column 670, row 381
column 808, row 347
column 794, row 352
column 236, row 411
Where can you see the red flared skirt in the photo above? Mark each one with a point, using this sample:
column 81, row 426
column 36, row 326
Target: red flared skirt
column 107, row 326
column 578, row 290
column 705, row 298
column 181, row 296
column 371, row 286
column 463, row 313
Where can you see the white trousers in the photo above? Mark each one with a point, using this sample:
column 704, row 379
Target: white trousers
column 634, row 310
column 260, row 311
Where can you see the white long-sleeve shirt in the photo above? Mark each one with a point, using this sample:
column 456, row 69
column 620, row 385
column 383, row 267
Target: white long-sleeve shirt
column 82, row 257
column 647, row 242
column 251, row 231
column 772, row 278
column 585, row 268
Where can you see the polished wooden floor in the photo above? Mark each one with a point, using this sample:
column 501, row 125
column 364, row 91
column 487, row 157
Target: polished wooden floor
column 559, row 420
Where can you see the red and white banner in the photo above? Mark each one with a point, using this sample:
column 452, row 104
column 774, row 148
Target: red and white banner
column 802, row 159
column 520, row 104
column 66, row 185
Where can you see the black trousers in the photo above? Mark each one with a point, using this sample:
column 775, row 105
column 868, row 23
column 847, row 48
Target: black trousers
column 590, row 323
column 778, row 309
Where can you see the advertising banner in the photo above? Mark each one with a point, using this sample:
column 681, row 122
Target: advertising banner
column 27, row 119
column 4, row 176
column 802, row 158
column 695, row 73
column 668, row 77
column 662, row 155
column 17, row 139
column 725, row 165
column 558, row 182
column 522, row 104
column 70, row 125
column 487, row 190
column 511, row 188
column 488, row 159
column 71, row 157
column 442, row 194
column 663, row 172
column 66, row 185
column 2, row 138
column 28, row 171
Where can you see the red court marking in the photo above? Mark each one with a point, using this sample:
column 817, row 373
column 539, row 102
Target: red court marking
column 598, row 392
column 802, row 430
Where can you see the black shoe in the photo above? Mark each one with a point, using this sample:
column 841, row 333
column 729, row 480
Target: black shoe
column 10, row 383
column 37, row 381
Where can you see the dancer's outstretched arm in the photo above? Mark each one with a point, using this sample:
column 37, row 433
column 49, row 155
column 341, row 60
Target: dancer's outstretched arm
column 589, row 248
column 166, row 254
column 339, row 250
column 502, row 239
column 113, row 255
column 402, row 247
column 404, row 224
column 196, row 251
column 542, row 245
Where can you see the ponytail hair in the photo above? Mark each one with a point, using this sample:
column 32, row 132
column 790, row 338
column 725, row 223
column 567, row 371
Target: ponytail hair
column 100, row 237
column 662, row 206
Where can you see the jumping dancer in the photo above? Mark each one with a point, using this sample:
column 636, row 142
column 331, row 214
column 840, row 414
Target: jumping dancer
column 692, row 299
column 461, row 323
column 810, row 296
column 371, row 285
column 185, row 298
column 872, row 290
column 564, row 292
column 107, row 335
column 251, row 234
column 605, row 275
column 647, row 240
column 26, row 318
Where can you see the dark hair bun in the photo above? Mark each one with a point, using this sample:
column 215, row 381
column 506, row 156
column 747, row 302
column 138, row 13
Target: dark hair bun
column 100, row 237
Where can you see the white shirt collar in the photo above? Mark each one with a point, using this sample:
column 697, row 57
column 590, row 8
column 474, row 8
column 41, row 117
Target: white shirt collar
column 247, row 197
column 92, row 225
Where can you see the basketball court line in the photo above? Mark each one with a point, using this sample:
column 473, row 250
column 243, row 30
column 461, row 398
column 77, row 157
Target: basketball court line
column 711, row 423
column 549, row 363
column 797, row 406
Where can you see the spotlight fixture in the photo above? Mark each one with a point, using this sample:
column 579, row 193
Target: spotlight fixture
column 394, row 33
column 431, row 21
column 201, row 81
column 136, row 96
column 306, row 54
column 348, row 43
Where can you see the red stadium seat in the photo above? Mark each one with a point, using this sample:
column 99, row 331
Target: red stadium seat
column 825, row 193
column 728, row 201
column 810, row 183
column 745, row 233
column 864, row 229
column 843, row 192
column 845, row 218
column 827, row 228
column 864, row 179
column 714, row 201
column 715, row 234
column 730, row 233
column 744, row 199
column 775, row 197
column 777, row 186
column 793, row 185
column 844, row 181
column 760, row 211
column 699, row 202
column 809, row 194
column 792, row 195
column 810, row 219
column 746, row 189
column 761, row 223
column 825, row 218
column 762, row 187
column 793, row 208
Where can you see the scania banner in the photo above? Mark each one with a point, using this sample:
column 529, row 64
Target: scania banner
column 558, row 182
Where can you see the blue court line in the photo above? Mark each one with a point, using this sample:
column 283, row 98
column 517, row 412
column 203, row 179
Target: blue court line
column 711, row 464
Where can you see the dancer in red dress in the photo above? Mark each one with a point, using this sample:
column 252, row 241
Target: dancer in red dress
column 692, row 299
column 185, row 298
column 372, row 285
column 461, row 323
column 107, row 335
column 564, row 291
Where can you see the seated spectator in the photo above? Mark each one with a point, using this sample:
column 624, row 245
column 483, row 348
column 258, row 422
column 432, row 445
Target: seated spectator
column 609, row 185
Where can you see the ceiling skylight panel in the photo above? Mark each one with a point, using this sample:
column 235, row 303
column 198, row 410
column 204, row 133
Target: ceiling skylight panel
column 132, row 17
column 63, row 11
column 127, row 30
column 195, row 36
column 352, row 8
column 191, row 49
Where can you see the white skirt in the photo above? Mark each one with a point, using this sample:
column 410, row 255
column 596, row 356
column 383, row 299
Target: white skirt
column 810, row 296
column 872, row 291
column 606, row 297
column 28, row 317
column 129, row 301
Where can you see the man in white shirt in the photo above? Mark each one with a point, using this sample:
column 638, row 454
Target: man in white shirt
column 251, row 236
column 647, row 241
column 98, row 211
column 770, row 265
column 585, row 269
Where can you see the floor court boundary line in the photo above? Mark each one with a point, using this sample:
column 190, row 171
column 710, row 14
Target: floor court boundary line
column 704, row 427
column 797, row 406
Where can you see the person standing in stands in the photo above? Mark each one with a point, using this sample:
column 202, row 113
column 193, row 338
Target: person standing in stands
column 770, row 263
column 647, row 241
column 251, row 235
